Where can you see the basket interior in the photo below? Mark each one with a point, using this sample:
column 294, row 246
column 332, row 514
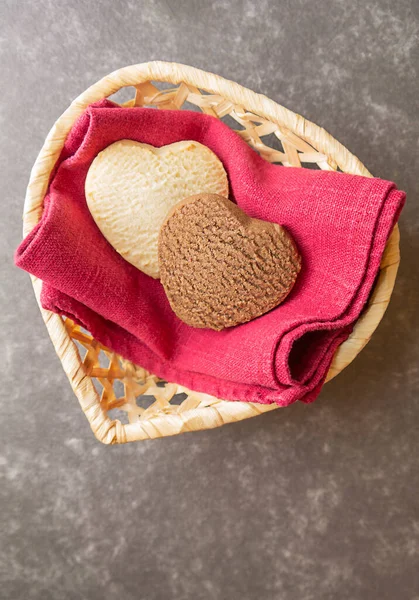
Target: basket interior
column 128, row 392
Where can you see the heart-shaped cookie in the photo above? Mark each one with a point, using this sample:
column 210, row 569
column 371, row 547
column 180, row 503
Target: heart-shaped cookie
column 131, row 187
column 219, row 267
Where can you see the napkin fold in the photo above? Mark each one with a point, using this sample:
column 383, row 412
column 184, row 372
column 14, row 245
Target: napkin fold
column 340, row 223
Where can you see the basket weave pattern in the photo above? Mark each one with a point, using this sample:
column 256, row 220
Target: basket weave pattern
column 103, row 381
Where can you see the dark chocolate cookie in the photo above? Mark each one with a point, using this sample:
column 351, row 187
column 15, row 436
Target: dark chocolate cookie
column 219, row 267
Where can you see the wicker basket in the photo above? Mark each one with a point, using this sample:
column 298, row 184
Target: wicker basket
column 105, row 383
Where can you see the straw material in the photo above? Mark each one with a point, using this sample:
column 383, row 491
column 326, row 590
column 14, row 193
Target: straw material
column 103, row 381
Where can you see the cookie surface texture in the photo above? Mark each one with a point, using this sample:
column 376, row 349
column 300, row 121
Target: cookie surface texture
column 131, row 187
column 221, row 268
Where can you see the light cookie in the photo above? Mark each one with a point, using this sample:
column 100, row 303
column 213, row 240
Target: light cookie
column 131, row 187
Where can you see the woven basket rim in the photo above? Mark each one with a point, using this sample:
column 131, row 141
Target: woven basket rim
column 113, row 431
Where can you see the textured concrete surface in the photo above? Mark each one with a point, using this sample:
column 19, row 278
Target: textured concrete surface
column 311, row 502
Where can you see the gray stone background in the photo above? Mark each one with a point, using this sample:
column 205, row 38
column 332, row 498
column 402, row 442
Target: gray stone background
column 310, row 502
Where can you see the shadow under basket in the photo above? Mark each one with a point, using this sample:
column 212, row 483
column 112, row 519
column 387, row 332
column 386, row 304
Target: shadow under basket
column 122, row 401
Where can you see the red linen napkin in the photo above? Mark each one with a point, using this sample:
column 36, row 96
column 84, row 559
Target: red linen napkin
column 340, row 223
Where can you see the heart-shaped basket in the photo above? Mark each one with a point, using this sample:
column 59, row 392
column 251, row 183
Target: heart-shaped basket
column 122, row 401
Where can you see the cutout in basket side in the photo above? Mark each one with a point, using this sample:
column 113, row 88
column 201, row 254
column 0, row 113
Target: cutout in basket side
column 145, row 401
column 310, row 165
column 81, row 349
column 189, row 106
column 232, row 123
column 178, row 399
column 123, row 95
column 118, row 414
column 272, row 141
column 163, row 85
